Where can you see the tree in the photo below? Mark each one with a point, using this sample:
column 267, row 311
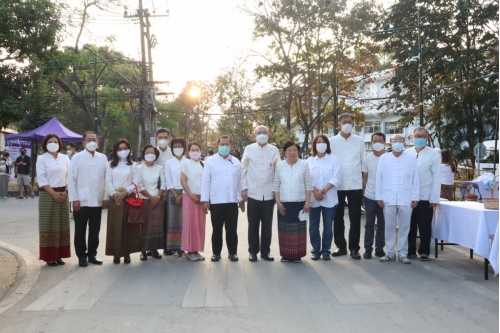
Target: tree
column 459, row 55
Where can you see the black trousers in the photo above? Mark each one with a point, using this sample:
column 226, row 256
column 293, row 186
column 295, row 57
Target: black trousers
column 355, row 198
column 421, row 217
column 224, row 215
column 92, row 217
column 257, row 212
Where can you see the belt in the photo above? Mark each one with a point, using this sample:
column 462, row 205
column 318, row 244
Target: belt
column 56, row 189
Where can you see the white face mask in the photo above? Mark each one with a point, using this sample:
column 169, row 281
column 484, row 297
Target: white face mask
column 150, row 157
column 398, row 146
column 91, row 146
column 69, row 153
column 321, row 147
column 178, row 151
column 262, row 138
column 163, row 143
column 2, row 162
column 52, row 147
column 347, row 128
column 123, row 153
column 377, row 146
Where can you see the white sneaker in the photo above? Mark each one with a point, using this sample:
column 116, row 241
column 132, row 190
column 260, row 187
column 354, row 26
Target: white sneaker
column 200, row 257
column 404, row 260
column 193, row 257
column 387, row 258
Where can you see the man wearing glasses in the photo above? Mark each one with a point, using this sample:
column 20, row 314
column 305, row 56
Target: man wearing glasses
column 429, row 169
column 86, row 187
column 257, row 176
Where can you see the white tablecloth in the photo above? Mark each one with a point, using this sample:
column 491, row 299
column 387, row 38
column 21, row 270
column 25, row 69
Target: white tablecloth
column 485, row 193
column 468, row 224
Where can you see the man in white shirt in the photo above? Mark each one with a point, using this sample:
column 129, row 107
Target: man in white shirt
column 257, row 176
column 162, row 140
column 220, row 193
column 397, row 192
column 350, row 151
column 372, row 210
column 87, row 193
column 429, row 169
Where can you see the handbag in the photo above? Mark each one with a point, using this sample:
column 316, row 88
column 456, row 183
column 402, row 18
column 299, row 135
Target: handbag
column 135, row 209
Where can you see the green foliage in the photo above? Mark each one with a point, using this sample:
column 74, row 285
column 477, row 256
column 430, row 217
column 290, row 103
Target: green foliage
column 461, row 45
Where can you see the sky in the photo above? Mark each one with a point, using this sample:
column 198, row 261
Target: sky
column 196, row 42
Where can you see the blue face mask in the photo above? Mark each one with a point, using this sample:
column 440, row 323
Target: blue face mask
column 419, row 142
column 398, row 146
column 224, row 150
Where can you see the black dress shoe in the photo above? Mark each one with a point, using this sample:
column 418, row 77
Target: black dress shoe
column 52, row 263
column 60, row 262
column 315, row 256
column 116, row 260
column 355, row 255
column 94, row 260
column 233, row 257
column 215, row 257
column 82, row 262
column 144, row 257
column 380, row 254
column 126, row 261
column 252, row 257
column 168, row 253
column 367, row 255
column 156, row 255
column 339, row 252
column 326, row 257
column 149, row 254
column 267, row 257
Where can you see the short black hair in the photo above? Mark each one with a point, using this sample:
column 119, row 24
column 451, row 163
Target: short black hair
column 146, row 147
column 84, row 135
column 377, row 134
column 224, row 137
column 162, row 130
column 72, row 145
column 290, row 143
column 178, row 140
column 210, row 152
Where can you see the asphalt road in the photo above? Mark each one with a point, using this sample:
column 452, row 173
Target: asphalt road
column 448, row 294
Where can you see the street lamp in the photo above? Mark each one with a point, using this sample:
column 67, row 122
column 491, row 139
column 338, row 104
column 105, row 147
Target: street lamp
column 96, row 78
column 413, row 59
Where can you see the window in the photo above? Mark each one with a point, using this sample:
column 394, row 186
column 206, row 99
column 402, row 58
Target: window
column 372, row 126
column 393, row 128
column 368, row 146
column 358, row 128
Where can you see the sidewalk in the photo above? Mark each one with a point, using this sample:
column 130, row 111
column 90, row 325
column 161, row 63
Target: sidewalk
column 175, row 295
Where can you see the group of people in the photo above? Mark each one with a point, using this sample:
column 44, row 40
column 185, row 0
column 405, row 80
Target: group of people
column 7, row 173
column 398, row 190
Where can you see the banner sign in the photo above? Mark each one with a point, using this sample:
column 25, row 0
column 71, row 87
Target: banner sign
column 13, row 146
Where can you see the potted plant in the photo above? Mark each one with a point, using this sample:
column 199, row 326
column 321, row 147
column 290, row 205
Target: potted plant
column 469, row 196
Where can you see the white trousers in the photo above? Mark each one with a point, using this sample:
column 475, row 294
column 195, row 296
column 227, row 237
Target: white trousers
column 399, row 217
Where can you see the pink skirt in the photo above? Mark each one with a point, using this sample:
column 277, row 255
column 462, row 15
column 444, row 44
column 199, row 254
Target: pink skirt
column 193, row 225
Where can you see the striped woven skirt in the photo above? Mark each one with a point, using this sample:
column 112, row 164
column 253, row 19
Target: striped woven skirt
column 173, row 224
column 152, row 236
column 54, row 231
column 121, row 239
column 292, row 233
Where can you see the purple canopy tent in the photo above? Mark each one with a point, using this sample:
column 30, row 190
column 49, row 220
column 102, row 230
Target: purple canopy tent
column 53, row 126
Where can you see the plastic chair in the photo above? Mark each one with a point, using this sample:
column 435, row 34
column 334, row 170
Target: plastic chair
column 463, row 190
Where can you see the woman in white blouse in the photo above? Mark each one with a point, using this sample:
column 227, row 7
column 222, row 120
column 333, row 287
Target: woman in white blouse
column 121, row 175
column 193, row 216
column 292, row 191
column 53, row 205
column 448, row 170
column 173, row 216
column 324, row 169
column 152, row 237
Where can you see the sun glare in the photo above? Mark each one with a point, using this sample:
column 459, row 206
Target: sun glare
column 194, row 92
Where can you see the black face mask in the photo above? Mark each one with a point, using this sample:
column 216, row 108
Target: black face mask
column 23, row 152
column 6, row 155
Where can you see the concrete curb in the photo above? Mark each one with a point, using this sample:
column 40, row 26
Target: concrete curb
column 29, row 279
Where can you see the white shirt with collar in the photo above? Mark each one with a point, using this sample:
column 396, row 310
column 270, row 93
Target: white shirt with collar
column 173, row 173
column 324, row 170
column 87, row 179
column 350, row 153
column 429, row 168
column 370, row 167
column 149, row 179
column 292, row 181
column 122, row 175
column 52, row 171
column 164, row 156
column 397, row 180
column 220, row 182
column 257, row 170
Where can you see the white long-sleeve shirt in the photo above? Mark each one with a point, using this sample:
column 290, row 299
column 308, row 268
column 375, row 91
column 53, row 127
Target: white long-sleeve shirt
column 164, row 156
column 86, row 180
column 220, row 182
column 397, row 180
column 149, row 179
column 173, row 173
column 257, row 170
column 429, row 172
column 52, row 171
column 292, row 181
column 324, row 170
column 350, row 153
column 122, row 175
